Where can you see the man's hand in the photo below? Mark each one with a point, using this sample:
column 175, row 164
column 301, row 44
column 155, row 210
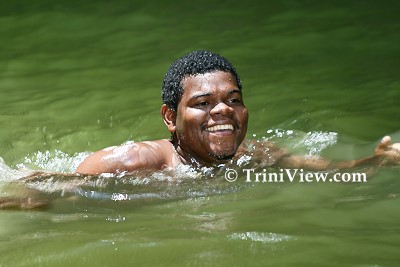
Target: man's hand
column 388, row 153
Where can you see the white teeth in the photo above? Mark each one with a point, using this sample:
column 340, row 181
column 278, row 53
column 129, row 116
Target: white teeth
column 220, row 127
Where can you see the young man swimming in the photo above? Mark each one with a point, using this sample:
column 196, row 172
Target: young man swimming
column 204, row 111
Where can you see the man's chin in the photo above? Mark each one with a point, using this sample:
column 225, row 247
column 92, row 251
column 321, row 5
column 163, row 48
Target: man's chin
column 222, row 153
column 222, row 157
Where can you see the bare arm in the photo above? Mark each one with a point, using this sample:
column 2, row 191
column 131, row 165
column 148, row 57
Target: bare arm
column 386, row 153
column 320, row 164
column 98, row 163
column 128, row 157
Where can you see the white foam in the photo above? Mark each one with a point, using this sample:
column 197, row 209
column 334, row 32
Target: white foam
column 318, row 141
column 8, row 174
column 260, row 237
column 57, row 161
column 313, row 142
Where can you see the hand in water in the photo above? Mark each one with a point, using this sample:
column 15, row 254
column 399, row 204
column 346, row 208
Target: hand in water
column 389, row 153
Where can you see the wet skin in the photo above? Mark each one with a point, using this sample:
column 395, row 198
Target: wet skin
column 211, row 120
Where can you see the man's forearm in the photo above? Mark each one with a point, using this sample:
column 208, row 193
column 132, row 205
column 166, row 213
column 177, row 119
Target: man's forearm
column 321, row 164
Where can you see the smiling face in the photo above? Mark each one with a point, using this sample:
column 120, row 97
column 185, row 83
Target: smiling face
column 211, row 120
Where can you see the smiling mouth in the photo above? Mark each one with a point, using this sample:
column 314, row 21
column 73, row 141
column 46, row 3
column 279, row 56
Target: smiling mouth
column 220, row 128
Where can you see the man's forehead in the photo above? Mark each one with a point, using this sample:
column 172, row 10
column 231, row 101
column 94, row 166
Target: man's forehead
column 209, row 80
column 209, row 73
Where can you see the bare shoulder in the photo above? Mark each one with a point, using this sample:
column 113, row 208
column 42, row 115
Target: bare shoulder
column 129, row 157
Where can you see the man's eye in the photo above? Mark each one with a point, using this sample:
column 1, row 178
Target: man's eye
column 235, row 100
column 202, row 104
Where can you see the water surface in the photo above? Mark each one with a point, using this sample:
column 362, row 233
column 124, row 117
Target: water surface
column 319, row 79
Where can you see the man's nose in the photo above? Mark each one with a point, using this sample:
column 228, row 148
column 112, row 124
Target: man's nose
column 221, row 109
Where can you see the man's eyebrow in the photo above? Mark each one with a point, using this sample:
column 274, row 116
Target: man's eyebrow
column 230, row 92
column 200, row 95
column 233, row 91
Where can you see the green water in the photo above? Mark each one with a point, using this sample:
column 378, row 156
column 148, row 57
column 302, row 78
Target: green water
column 79, row 76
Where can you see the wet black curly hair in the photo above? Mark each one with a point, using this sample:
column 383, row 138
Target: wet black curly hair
column 196, row 62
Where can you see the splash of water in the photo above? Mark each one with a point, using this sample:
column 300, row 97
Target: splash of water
column 8, row 174
column 182, row 182
column 313, row 142
column 318, row 141
column 57, row 161
column 260, row 237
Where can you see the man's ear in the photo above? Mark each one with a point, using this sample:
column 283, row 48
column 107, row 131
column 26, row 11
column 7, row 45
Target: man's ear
column 169, row 117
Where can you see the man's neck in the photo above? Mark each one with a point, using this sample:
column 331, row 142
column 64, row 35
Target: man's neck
column 189, row 159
